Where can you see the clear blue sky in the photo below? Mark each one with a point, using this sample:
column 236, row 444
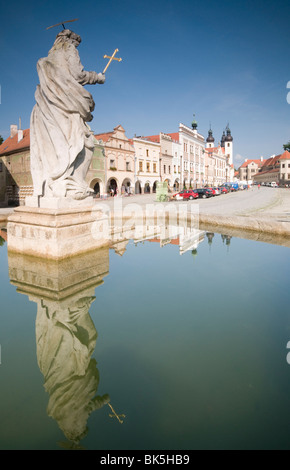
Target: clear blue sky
column 225, row 61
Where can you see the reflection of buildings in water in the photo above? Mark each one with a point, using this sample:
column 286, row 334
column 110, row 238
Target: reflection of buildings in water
column 186, row 237
column 191, row 241
column 226, row 239
column 210, row 236
column 185, row 234
column 65, row 333
column 3, row 237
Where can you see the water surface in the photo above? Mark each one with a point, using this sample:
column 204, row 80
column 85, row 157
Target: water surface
column 189, row 344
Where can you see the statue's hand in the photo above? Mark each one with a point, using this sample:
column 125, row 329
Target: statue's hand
column 101, row 78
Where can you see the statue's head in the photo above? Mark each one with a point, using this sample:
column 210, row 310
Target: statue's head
column 67, row 34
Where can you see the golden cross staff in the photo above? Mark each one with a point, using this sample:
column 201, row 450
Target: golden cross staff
column 115, row 415
column 111, row 58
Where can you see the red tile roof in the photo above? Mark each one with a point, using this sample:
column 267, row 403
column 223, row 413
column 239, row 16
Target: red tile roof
column 104, row 137
column 214, row 149
column 248, row 162
column 274, row 170
column 11, row 145
column 153, row 138
column 174, row 136
column 285, row 155
column 272, row 161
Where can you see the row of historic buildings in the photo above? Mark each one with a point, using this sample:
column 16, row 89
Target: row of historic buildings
column 275, row 169
column 123, row 165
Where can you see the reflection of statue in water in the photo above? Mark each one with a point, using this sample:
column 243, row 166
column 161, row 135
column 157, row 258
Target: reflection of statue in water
column 66, row 339
column 65, row 334
column 61, row 143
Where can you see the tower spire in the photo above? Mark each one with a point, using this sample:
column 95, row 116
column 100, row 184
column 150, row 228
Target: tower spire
column 194, row 123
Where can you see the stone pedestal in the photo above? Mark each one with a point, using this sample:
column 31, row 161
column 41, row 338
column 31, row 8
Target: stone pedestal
column 57, row 202
column 56, row 233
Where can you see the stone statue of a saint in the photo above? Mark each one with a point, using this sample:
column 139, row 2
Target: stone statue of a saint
column 61, row 142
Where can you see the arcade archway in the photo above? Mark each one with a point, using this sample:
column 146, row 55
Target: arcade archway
column 112, row 187
column 138, row 187
column 98, row 186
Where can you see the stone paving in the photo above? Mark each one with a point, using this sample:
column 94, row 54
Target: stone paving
column 264, row 204
column 258, row 203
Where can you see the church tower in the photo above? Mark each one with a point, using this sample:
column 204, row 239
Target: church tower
column 228, row 144
column 209, row 140
column 194, row 123
column 223, row 139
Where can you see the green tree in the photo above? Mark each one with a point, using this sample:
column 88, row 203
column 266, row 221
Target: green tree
column 287, row 146
column 1, row 139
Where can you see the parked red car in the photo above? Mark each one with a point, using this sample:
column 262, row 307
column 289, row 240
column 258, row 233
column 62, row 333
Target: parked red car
column 190, row 194
column 212, row 190
column 224, row 190
column 186, row 194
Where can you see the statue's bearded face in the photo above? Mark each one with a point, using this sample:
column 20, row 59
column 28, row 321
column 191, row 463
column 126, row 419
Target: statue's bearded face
column 69, row 35
column 76, row 39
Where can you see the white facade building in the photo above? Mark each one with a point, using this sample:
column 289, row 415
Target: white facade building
column 147, row 166
column 176, row 161
column 193, row 159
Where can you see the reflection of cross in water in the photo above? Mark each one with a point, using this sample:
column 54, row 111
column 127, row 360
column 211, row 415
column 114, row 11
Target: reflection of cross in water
column 115, row 415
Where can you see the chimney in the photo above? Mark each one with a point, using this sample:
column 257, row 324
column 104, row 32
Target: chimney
column 246, row 160
column 262, row 159
column 20, row 135
column 13, row 130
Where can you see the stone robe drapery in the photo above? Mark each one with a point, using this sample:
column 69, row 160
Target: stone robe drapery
column 61, row 141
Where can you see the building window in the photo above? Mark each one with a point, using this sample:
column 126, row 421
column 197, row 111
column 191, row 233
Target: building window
column 169, row 169
column 147, row 153
column 147, row 167
column 112, row 164
column 154, row 168
column 164, row 168
column 283, row 165
column 140, row 166
column 128, row 166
